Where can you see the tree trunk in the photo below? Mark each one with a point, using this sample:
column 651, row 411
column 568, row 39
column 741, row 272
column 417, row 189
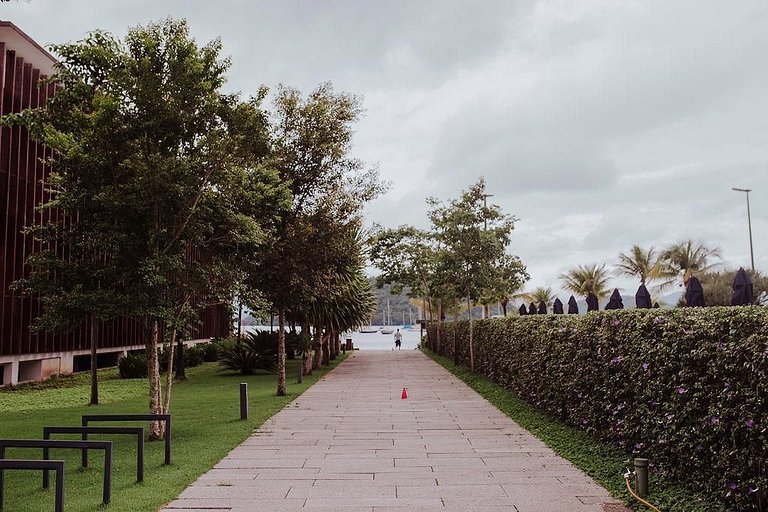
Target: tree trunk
column 326, row 359
column 181, row 370
column 317, row 346
column 455, row 346
column 94, row 363
column 168, row 376
column 503, row 305
column 239, row 320
column 471, row 347
column 153, row 369
column 333, row 344
column 439, row 325
column 281, row 352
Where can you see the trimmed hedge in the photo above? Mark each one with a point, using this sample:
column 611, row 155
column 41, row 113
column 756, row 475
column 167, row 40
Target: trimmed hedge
column 686, row 387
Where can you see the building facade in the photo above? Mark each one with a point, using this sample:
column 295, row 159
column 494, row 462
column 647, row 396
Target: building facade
column 24, row 354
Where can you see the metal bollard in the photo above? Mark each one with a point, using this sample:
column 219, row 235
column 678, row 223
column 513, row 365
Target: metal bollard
column 243, row 401
column 641, row 477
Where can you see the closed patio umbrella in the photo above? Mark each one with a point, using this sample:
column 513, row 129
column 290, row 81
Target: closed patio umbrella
column 615, row 302
column 592, row 302
column 532, row 309
column 542, row 308
column 522, row 310
column 694, row 293
column 557, row 307
column 642, row 298
column 573, row 306
column 743, row 290
column 656, row 305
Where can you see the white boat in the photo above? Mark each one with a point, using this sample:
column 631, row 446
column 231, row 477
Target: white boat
column 387, row 330
column 369, row 329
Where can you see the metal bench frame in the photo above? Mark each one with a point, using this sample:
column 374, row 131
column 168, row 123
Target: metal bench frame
column 40, row 465
column 46, row 445
column 136, row 431
column 88, row 418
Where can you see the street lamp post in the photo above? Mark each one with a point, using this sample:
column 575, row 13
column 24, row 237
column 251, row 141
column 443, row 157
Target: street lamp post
column 749, row 223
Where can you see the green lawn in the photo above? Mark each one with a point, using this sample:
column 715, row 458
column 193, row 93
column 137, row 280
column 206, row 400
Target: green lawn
column 206, row 426
column 598, row 459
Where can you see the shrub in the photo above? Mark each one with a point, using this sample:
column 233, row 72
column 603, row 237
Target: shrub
column 194, row 355
column 211, row 350
column 686, row 387
column 257, row 351
column 133, row 366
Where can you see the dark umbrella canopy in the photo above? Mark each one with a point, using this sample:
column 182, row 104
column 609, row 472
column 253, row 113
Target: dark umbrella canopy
column 557, row 307
column 592, row 302
column 522, row 310
column 743, row 290
column 573, row 307
column 615, row 302
column 642, row 298
column 542, row 308
column 532, row 309
column 694, row 293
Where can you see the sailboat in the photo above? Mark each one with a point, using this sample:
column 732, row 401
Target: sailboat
column 408, row 325
column 387, row 329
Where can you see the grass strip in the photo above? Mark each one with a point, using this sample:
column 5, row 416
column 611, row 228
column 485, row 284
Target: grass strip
column 206, row 426
column 598, row 459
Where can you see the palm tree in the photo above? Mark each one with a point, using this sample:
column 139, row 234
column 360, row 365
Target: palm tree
column 539, row 295
column 688, row 257
column 585, row 279
column 645, row 265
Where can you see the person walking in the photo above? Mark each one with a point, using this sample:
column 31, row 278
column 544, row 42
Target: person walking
column 398, row 339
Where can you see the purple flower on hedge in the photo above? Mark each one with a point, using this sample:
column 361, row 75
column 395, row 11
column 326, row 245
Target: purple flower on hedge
column 753, row 490
column 657, row 320
column 714, row 420
column 732, row 486
column 617, row 360
column 616, row 322
column 749, row 423
column 646, row 366
column 681, row 390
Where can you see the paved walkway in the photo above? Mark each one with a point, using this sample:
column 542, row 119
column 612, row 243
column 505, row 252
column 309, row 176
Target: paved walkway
column 351, row 443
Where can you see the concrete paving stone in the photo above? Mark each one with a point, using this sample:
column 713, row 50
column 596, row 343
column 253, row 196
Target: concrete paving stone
column 260, row 463
column 412, row 503
column 344, row 489
column 450, row 491
column 256, row 489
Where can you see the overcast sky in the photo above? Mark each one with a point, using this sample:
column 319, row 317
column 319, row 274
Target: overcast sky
column 600, row 124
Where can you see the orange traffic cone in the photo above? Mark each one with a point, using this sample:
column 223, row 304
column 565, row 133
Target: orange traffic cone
column 404, row 395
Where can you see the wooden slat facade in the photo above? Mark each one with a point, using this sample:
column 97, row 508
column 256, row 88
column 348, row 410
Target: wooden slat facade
column 22, row 173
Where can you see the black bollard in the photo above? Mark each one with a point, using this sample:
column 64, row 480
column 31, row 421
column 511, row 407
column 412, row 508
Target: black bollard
column 243, row 401
column 641, row 477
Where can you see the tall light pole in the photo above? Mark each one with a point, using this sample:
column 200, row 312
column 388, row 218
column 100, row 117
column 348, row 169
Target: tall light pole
column 749, row 223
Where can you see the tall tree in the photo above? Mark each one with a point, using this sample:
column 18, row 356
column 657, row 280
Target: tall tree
column 172, row 166
column 684, row 258
column 586, row 279
column 540, row 294
column 641, row 263
column 475, row 237
column 311, row 144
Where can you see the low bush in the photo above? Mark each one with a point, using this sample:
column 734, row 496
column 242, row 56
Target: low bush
column 686, row 387
column 194, row 355
column 133, row 366
column 211, row 350
column 257, row 351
